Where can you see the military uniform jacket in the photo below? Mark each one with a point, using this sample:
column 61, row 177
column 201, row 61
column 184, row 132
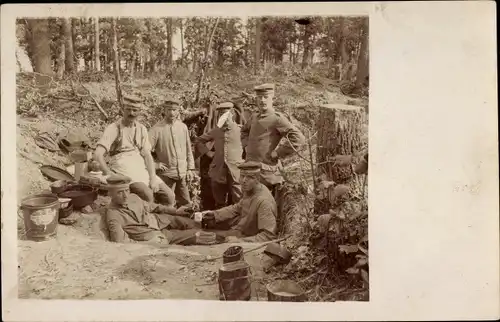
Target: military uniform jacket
column 254, row 216
column 228, row 152
column 137, row 220
column 262, row 134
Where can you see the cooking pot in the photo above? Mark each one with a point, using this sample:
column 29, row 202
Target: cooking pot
column 59, row 186
column 81, row 195
column 285, row 291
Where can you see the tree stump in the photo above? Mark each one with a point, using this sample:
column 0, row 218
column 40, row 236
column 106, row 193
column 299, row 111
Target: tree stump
column 340, row 132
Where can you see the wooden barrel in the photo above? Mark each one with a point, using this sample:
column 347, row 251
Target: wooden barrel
column 285, row 291
column 41, row 216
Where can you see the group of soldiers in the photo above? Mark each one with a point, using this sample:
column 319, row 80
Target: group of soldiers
column 150, row 198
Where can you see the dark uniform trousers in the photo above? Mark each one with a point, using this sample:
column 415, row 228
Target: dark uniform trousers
column 226, row 193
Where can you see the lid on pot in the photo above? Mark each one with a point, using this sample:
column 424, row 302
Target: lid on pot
column 54, row 173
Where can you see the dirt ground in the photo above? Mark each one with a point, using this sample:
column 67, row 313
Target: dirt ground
column 81, row 264
column 78, row 266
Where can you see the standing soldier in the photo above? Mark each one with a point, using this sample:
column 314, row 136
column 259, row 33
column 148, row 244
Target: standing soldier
column 224, row 172
column 198, row 123
column 261, row 135
column 171, row 142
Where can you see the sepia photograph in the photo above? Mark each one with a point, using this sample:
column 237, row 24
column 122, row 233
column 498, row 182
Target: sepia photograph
column 193, row 158
column 192, row 162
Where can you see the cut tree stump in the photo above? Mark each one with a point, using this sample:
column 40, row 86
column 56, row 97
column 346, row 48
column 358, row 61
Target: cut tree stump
column 340, row 132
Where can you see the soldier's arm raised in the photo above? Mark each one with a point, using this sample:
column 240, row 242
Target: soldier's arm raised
column 200, row 141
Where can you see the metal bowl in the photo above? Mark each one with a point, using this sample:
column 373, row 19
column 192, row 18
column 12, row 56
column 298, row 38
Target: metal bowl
column 285, row 291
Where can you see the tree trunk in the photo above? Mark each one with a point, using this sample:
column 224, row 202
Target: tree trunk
column 307, row 46
column 60, row 60
column 340, row 132
column 105, row 61
column 61, row 54
column 152, row 65
column 257, row 46
column 311, row 50
column 97, row 55
column 362, row 71
column 143, row 62
column 39, row 43
column 170, row 31
column 205, row 61
column 73, row 43
column 195, row 61
column 110, row 53
column 297, row 51
column 344, row 57
column 68, row 38
column 117, row 64
column 220, row 54
column 247, row 46
column 182, row 41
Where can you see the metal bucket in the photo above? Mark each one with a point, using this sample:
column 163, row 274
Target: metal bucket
column 235, row 282
column 40, row 213
column 285, row 291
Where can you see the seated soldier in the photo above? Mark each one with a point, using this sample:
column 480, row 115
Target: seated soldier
column 129, row 218
column 253, row 218
column 127, row 144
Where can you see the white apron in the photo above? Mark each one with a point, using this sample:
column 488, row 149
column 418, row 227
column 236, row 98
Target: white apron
column 130, row 164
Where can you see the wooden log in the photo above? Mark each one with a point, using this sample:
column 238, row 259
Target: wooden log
column 340, row 132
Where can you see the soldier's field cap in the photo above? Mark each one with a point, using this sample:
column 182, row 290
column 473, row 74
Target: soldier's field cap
column 264, row 89
column 172, row 102
column 118, row 182
column 250, row 167
column 131, row 100
column 225, row 105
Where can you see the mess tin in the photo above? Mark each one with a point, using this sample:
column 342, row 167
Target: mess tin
column 198, row 216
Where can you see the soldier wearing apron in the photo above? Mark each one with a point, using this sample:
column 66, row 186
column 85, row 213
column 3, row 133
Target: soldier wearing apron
column 127, row 144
